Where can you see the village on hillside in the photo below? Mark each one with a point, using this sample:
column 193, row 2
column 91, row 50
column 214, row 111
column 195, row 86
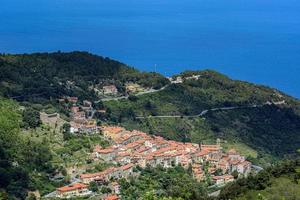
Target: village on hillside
column 130, row 150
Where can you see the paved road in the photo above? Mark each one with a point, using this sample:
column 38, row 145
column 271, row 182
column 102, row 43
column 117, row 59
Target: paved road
column 202, row 113
column 215, row 194
column 257, row 168
column 138, row 94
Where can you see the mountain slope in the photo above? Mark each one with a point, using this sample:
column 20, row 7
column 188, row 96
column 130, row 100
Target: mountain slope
column 46, row 75
column 253, row 125
column 256, row 122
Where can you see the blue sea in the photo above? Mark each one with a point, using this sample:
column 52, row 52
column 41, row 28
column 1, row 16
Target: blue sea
column 252, row 40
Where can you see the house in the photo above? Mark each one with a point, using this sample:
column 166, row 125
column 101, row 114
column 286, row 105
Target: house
column 75, row 127
column 74, row 109
column 198, row 173
column 193, row 77
column 200, row 156
column 123, row 157
column 87, row 178
column 72, row 99
column 127, row 170
column 87, row 103
column 221, row 180
column 244, row 167
column 133, row 87
column 103, row 176
column 90, row 127
column 61, row 100
column 233, row 155
column 79, row 117
column 177, row 80
column 224, row 165
column 110, row 90
column 111, row 197
column 77, row 189
column 112, row 132
column 107, row 154
column 115, row 187
column 211, row 148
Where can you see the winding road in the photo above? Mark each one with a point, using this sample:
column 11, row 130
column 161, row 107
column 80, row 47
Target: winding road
column 138, row 94
column 202, row 113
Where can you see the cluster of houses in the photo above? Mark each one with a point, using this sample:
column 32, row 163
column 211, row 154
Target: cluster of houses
column 110, row 90
column 139, row 148
column 179, row 79
column 135, row 148
column 82, row 116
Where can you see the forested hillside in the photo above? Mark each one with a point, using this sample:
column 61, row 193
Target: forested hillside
column 260, row 122
column 281, row 181
column 45, row 75
column 265, row 119
column 42, row 78
column 24, row 163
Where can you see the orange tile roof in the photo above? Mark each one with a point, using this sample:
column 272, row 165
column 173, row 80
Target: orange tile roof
column 103, row 173
column 123, row 154
column 234, row 162
column 97, row 148
column 245, row 163
column 76, row 186
column 91, row 175
column 112, row 197
column 113, row 129
column 201, row 153
column 232, row 152
column 128, row 166
column 107, row 150
column 210, row 147
column 225, row 177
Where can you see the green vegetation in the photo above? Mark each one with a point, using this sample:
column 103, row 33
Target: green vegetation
column 159, row 183
column 41, row 76
column 24, row 164
column 280, row 188
column 31, row 118
column 31, row 157
column 281, row 181
column 32, row 154
column 267, row 129
column 37, row 80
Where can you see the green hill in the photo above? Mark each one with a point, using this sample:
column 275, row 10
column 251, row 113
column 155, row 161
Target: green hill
column 281, row 181
column 44, row 75
column 261, row 122
column 256, row 124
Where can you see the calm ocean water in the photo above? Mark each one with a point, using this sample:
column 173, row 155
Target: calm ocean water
column 253, row 40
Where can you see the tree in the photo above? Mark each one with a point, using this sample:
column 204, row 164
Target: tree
column 93, row 186
column 235, row 174
column 31, row 118
column 66, row 131
column 105, row 190
column 133, row 98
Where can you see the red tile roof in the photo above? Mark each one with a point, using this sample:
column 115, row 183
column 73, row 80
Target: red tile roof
column 76, row 186
column 128, row 166
column 112, row 197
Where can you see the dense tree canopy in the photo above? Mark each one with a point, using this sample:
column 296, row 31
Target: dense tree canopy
column 158, row 183
column 45, row 75
column 19, row 157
